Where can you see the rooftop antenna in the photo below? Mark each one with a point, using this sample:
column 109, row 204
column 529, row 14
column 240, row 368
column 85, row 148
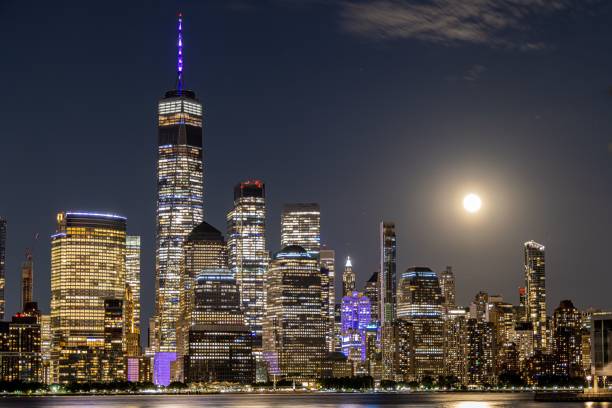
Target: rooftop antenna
column 179, row 66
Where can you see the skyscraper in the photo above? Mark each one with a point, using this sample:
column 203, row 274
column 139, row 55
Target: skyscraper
column 87, row 268
column 420, row 303
column 387, row 275
column 301, row 225
column 113, row 368
column 535, row 288
column 2, row 264
column 480, row 352
column 248, row 256
column 356, row 317
column 348, row 278
column 327, row 262
column 372, row 291
column 567, row 340
column 132, row 284
column 179, row 196
column 27, row 276
column 205, row 249
column 294, row 331
column 219, row 344
column 447, row 285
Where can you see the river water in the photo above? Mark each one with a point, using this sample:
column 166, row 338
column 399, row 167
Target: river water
column 325, row 400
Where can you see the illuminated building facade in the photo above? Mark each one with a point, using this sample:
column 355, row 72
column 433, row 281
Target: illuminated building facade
column 348, row 278
column 478, row 307
column 535, row 287
column 447, row 286
column 480, row 353
column 301, row 225
column 179, row 199
column 404, row 350
column 204, row 249
column 523, row 338
column 356, row 317
column 420, row 303
column 27, row 276
column 455, row 343
column 219, row 344
column 248, row 256
column 132, row 298
column 113, row 368
column 388, row 274
column 2, row 264
column 327, row 262
column 372, row 292
column 20, row 348
column 46, row 346
column 87, row 267
column 601, row 339
column 567, row 340
column 294, row 331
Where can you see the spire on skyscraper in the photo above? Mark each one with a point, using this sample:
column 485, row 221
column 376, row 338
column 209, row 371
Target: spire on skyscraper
column 179, row 65
column 348, row 264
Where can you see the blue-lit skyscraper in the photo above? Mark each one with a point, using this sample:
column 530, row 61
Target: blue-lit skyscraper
column 179, row 202
column 356, row 315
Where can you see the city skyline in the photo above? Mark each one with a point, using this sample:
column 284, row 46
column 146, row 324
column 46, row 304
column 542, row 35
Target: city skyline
column 343, row 238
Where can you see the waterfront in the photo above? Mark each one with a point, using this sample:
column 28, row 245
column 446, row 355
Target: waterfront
column 331, row 400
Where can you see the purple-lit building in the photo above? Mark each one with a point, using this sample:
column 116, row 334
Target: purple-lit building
column 356, row 312
column 162, row 365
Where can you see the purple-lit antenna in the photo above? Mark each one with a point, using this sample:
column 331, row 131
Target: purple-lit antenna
column 179, row 67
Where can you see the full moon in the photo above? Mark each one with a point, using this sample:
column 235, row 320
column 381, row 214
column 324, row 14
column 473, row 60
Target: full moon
column 472, row 203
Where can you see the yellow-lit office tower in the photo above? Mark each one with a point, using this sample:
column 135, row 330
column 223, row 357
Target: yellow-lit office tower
column 535, row 287
column 419, row 301
column 294, row 331
column 87, row 268
column 327, row 261
column 248, row 256
column 301, row 225
column 348, row 278
column 132, row 298
column 455, row 344
column 45, row 347
column 447, row 286
column 179, row 203
column 205, row 249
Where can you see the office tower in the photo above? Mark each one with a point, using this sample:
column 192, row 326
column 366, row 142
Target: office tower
column 132, row 283
column 447, row 286
column 372, row 291
column 601, row 339
column 356, row 316
column 404, row 340
column 455, row 343
column 248, row 256
column 179, row 198
column 501, row 315
column 387, row 276
column 45, row 347
column 87, row 267
column 327, row 262
column 348, row 278
column 294, row 332
column 112, row 361
column 480, row 352
column 20, row 347
column 535, row 287
column 420, row 303
column 585, row 350
column 567, row 340
column 2, row 264
column 301, row 225
column 130, row 332
column 523, row 338
column 27, row 275
column 478, row 307
column 219, row 344
column 373, row 356
column 204, row 249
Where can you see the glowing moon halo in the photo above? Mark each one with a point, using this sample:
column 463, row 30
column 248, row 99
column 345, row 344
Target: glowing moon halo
column 472, row 203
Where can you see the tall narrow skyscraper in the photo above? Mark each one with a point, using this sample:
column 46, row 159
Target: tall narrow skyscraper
column 348, row 278
column 2, row 264
column 27, row 279
column 447, row 285
column 328, row 292
column 179, row 196
column 132, row 284
column 387, row 276
column 87, row 270
column 535, row 289
column 301, row 225
column 248, row 256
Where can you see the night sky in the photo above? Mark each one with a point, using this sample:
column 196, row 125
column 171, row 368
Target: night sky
column 376, row 110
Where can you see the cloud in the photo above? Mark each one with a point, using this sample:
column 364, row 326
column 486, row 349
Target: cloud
column 448, row 22
column 474, row 73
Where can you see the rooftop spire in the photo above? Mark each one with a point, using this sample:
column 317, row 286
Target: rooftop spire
column 179, row 66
